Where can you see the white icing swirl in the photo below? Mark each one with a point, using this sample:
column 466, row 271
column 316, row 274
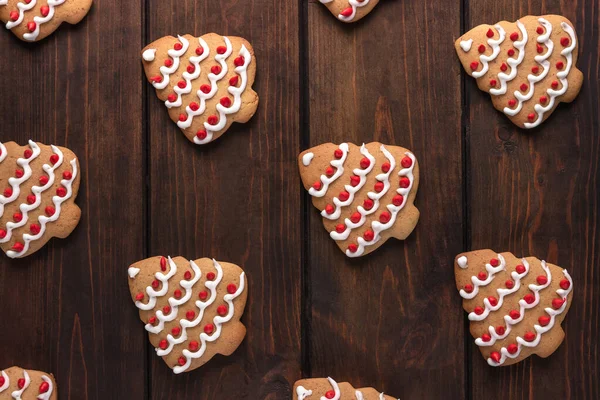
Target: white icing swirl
column 42, row 20
column 325, row 181
column 513, row 62
column 485, row 60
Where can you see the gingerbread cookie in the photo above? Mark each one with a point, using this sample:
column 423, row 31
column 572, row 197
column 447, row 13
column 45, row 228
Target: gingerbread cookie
column 325, row 389
column 33, row 20
column 20, row 384
column 350, row 10
column 205, row 82
column 365, row 193
column 527, row 67
column 516, row 306
column 192, row 309
column 38, row 186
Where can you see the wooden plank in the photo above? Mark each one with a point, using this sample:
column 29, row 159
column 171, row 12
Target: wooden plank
column 65, row 309
column 391, row 320
column 536, row 193
column 236, row 200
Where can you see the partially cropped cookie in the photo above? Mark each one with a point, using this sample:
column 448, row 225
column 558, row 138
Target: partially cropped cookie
column 365, row 193
column 350, row 10
column 325, row 389
column 192, row 309
column 38, row 187
column 527, row 67
column 515, row 305
column 205, row 82
column 33, row 20
column 17, row 383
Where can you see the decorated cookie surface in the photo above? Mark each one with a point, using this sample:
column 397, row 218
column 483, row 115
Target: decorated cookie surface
column 38, row 185
column 19, row 384
column 191, row 309
column 350, row 10
column 33, row 20
column 528, row 67
column 205, row 82
column 365, row 193
column 515, row 305
column 327, row 388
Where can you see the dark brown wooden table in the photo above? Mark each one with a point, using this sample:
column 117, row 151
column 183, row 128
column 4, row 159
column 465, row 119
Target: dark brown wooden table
column 392, row 320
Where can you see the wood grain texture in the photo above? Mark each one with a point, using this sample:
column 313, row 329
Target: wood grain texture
column 383, row 320
column 536, row 192
column 62, row 308
column 236, row 200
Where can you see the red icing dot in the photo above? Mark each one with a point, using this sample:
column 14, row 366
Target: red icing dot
column 222, row 310
column 210, row 276
column 385, row 167
column 163, row 344
column 557, row 303
column 344, row 196
column 509, row 284
column 514, row 314
column 152, row 320
column 172, row 97
column 194, row 345
column 540, row 30
column 540, row 48
column 494, row 355
column 205, row 89
column 212, row 120
column 511, row 52
column 43, row 180
column 199, row 50
column 176, row 331
column 329, row 209
column 163, row 264
column 231, row 288
column 139, row 296
column 529, row 298
column 31, row 199
column 234, row 80
column 21, row 383
column 317, row 185
column 554, row 84
column 338, row 154
column 18, row 247
column 17, row 217
column 225, row 102
column 512, row 103
column 54, row 158
column 34, row 229
column 346, row 13
column 221, row 50
column 482, row 275
column 490, row 33
column 481, row 48
column 355, row 217
column 191, row 69
column 529, row 336
column 216, row 69
column 404, row 182
column 379, row 186
column 478, row 310
column 520, row 269
column 239, row 61
column 168, row 63
column 178, row 46
column 368, row 204
column 385, row 217
column 201, row 134
column 535, row 69
column 339, row 228
column 353, row 248
column 157, row 79
column 2, row 233
column 194, row 106
column 209, row 328
column 468, row 288
column 369, row 235
column 44, row 387
column 187, row 276
column 565, row 41
column 500, row 330
column 354, row 180
column 67, row 175
column 503, row 67
column 329, row 172
column 31, row 26
column 155, row 284
column 494, row 262
column 565, row 284
column 541, row 280
column 486, row 338
column 493, row 301
column 203, row 295
column 406, row 162
column 493, row 82
column 524, row 87
column 28, row 153
column 61, row 192
column 544, row 320
column 364, row 163
column 19, row 173
column 49, row 211
column 190, row 315
column 181, row 361
column 177, row 294
column 512, row 348
column 181, row 84
column 474, row 65
column 514, row 36
column 398, row 200
column 531, row 117
column 14, row 16
column 560, row 65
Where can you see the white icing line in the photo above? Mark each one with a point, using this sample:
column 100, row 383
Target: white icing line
column 42, row 20
column 325, row 181
column 307, row 158
column 513, row 62
column 175, row 55
column 379, row 227
column 562, row 75
column 495, row 44
column 22, row 8
column 218, row 322
column 153, row 294
column 43, row 219
column 46, row 396
column 18, row 393
column 15, row 183
column 491, row 271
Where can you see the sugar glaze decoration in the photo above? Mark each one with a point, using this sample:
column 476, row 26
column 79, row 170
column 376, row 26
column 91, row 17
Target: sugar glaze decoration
column 528, row 67
column 365, row 193
column 28, row 216
column 33, row 20
column 19, row 384
column 350, row 10
column 191, row 308
column 489, row 283
column 215, row 89
column 329, row 389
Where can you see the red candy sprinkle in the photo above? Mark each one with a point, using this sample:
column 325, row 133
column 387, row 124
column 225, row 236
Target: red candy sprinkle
column 397, row 200
column 541, row 280
column 385, row 217
column 554, row 84
column 535, row 69
column 520, row 269
column 221, row 50
column 194, row 346
column 529, row 298
column 531, row 117
column 43, row 180
column 205, row 89
column 494, row 355
column 176, row 331
column 557, row 303
column 338, row 154
column 511, row 52
column 493, row 301
column 18, row 247
column 172, row 97
column 28, row 153
column 181, row 84
column 21, row 383
column 503, row 67
column 529, row 336
column 191, row 69
column 369, row 235
column 168, row 63
column 493, row 82
column 234, row 80
column 155, row 284
column 385, row 167
column 540, row 49
column 500, row 330
column 368, row 204
column 565, row 41
column 178, row 46
column 482, row 275
column 317, row 185
column 514, row 36
column 354, row 180
column 34, row 229
column 187, row 276
column 239, row 61
column 512, row 348
column 524, row 87
column 181, row 361
column 468, row 288
column 544, row 320
column 494, row 262
column 17, row 217
column 49, row 211
column 329, row 172
column 490, row 33
column 152, row 320
column 225, row 102
column 379, row 186
column 514, row 314
column 329, row 209
column 355, row 217
column 31, row 26
column 209, row 328
column 61, row 192
column 216, row 69
column 353, row 248
column 44, row 387
column 177, row 294
column 560, row 65
column 67, row 175
column 364, row 163
column 157, row 79
column 212, row 120
column 199, row 50
column 343, row 196
column 19, row 173
column 210, row 276
column 474, row 65
column 190, row 315
column 404, row 182
column 478, row 310
column 163, row 344
column 14, row 15
column 339, row 228
column 565, row 284
column 54, row 158
column 512, row 103
column 346, row 13
column 222, row 310
column 201, row 134
column 509, row 284
column 540, row 30
column 481, row 48
column 203, row 295
column 330, row 394
column 139, row 296
column 194, row 106
column 406, row 162
column 2, row 233
column 231, row 288
column 31, row 199
column 163, row 264
column 485, row 337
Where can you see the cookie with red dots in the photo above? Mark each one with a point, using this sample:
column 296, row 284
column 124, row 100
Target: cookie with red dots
column 528, row 67
column 322, row 388
column 33, row 20
column 515, row 305
column 18, row 383
column 205, row 83
column 38, row 185
column 365, row 193
column 191, row 309
column 350, row 10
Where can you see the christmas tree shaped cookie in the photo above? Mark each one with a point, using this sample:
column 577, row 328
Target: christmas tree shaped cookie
column 205, row 82
column 350, row 10
column 17, row 383
column 516, row 306
column 33, row 20
column 365, row 193
column 325, row 389
column 38, row 185
column 191, row 309
column 527, row 67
